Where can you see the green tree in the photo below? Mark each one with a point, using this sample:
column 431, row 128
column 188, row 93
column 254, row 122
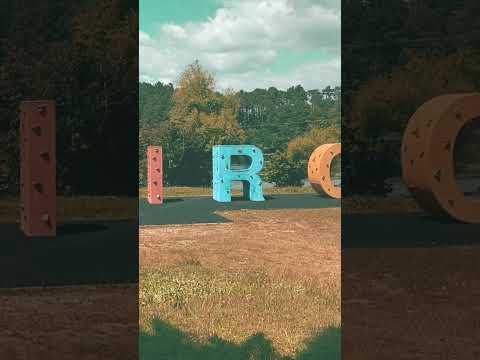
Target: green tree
column 154, row 103
column 272, row 117
column 200, row 118
column 86, row 60
column 289, row 167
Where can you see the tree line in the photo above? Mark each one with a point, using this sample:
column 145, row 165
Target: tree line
column 395, row 56
column 84, row 55
column 190, row 118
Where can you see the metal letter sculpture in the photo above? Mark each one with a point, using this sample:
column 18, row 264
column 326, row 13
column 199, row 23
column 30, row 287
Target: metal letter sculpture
column 155, row 175
column 38, row 168
column 223, row 175
column 428, row 166
column 319, row 169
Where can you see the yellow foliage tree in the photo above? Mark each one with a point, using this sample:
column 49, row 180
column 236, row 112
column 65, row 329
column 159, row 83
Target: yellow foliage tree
column 388, row 102
column 202, row 112
column 301, row 147
column 200, row 118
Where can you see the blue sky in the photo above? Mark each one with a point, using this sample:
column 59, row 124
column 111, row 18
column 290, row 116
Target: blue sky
column 245, row 43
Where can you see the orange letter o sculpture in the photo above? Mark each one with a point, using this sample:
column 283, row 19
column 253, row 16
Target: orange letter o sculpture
column 319, row 169
column 428, row 166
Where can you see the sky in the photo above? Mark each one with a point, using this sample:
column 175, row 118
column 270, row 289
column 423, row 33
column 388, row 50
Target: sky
column 245, row 44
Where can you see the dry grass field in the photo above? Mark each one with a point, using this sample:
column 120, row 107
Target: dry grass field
column 78, row 208
column 209, row 291
column 270, row 275
column 422, row 302
column 383, row 205
column 185, row 191
column 411, row 295
column 69, row 323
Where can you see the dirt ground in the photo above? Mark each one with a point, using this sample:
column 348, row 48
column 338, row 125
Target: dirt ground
column 69, row 323
column 303, row 243
column 395, row 311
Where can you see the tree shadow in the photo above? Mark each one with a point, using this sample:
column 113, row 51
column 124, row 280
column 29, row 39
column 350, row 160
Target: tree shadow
column 81, row 253
column 172, row 200
column 326, row 346
column 78, row 228
column 400, row 230
column 323, row 195
column 236, row 198
column 168, row 342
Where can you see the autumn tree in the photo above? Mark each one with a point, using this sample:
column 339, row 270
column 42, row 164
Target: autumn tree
column 201, row 111
column 200, row 118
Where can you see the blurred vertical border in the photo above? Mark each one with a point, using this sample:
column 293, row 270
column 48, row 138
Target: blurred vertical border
column 74, row 295
column 409, row 277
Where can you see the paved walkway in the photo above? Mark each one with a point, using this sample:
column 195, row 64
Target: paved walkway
column 405, row 231
column 195, row 210
column 82, row 253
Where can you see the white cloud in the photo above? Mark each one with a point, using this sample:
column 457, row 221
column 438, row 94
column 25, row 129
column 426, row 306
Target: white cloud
column 175, row 32
column 244, row 38
column 315, row 75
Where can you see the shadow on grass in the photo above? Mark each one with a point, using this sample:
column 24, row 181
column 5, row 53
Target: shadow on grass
column 406, row 231
column 246, row 198
column 81, row 253
column 168, row 342
column 172, row 200
column 73, row 228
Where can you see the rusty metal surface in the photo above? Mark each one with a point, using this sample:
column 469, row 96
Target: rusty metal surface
column 427, row 156
column 38, row 168
column 319, row 169
column 155, row 175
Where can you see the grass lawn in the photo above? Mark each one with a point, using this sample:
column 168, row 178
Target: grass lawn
column 282, row 315
column 265, row 286
column 186, row 191
column 79, row 208
column 377, row 204
column 69, row 322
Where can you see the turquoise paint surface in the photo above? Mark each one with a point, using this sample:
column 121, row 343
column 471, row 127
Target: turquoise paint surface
column 223, row 175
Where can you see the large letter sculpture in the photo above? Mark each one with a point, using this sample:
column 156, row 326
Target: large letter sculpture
column 223, row 175
column 428, row 166
column 319, row 169
column 37, row 168
column 155, row 175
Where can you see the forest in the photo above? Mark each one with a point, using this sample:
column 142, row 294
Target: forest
column 83, row 55
column 187, row 120
column 396, row 55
